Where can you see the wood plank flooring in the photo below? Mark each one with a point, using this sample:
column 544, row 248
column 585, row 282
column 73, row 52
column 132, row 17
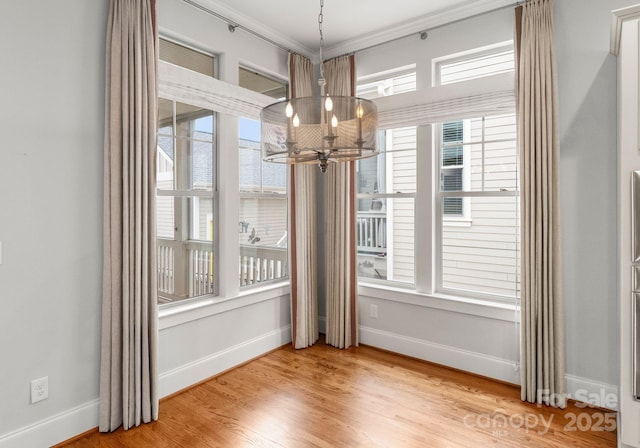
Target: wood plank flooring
column 361, row 397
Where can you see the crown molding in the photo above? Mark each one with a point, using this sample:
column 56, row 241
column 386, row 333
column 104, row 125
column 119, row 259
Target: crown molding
column 397, row 31
column 250, row 24
column 416, row 26
column 618, row 17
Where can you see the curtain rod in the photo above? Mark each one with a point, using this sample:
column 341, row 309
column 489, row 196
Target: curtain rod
column 233, row 25
column 424, row 33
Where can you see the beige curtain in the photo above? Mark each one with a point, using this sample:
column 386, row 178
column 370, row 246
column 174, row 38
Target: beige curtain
column 340, row 225
column 302, row 226
column 128, row 375
column 542, row 351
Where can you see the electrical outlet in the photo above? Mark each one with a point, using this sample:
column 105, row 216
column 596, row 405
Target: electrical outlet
column 39, row 389
column 373, row 311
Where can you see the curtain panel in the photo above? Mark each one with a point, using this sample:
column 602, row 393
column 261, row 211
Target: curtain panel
column 128, row 374
column 542, row 347
column 303, row 258
column 340, row 225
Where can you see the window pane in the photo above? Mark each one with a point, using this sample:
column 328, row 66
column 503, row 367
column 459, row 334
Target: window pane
column 257, row 82
column 263, row 210
column 452, row 207
column 377, row 86
column 184, row 221
column 385, row 225
column 263, row 239
column 451, row 179
column 483, row 152
column 186, row 57
column 201, row 166
column 385, row 240
column 484, row 256
column 482, row 63
column 493, row 153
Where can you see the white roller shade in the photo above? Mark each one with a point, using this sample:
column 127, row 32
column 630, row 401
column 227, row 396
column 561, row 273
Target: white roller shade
column 180, row 84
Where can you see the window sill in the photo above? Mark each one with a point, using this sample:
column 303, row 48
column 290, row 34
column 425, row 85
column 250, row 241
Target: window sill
column 475, row 307
column 209, row 305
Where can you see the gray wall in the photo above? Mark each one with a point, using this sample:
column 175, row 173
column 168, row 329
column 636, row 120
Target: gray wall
column 51, row 170
column 51, row 120
column 587, row 125
column 587, row 132
column 51, row 86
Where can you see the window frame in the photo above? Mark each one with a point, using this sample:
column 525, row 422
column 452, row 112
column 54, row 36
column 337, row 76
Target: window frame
column 262, row 194
column 466, row 195
column 388, row 200
column 428, row 198
column 366, row 86
column 184, row 211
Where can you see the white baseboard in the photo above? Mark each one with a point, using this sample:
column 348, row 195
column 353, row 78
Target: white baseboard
column 478, row 363
column 581, row 389
column 592, row 392
column 83, row 418
column 201, row 369
column 55, row 429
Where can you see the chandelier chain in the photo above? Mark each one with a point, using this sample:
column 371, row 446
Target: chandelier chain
column 320, row 21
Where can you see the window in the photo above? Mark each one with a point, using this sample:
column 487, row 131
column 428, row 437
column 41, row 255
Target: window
column 252, row 80
column 391, row 82
column 476, row 64
column 186, row 186
column 386, row 186
column 263, row 196
column 187, row 57
column 481, row 258
column 452, row 166
column 185, row 201
column 467, row 197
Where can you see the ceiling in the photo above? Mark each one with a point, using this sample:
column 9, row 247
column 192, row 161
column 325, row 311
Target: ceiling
column 348, row 25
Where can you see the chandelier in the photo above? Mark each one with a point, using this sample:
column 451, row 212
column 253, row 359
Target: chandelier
column 319, row 129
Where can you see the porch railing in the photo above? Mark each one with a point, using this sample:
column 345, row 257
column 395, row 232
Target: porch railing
column 187, row 269
column 258, row 264
column 371, row 232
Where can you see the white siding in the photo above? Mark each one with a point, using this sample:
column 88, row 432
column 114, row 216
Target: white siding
column 267, row 215
column 481, row 254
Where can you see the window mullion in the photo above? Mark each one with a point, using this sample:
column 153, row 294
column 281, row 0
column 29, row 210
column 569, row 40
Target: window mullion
column 425, row 206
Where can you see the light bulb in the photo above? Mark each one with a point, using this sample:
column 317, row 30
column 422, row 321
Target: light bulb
column 288, row 111
column 328, row 104
column 334, row 121
column 296, row 121
column 359, row 111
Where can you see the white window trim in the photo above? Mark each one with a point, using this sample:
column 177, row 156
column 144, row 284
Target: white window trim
column 230, row 102
column 174, row 314
column 466, row 305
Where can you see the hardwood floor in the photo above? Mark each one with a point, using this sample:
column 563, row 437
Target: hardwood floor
column 361, row 397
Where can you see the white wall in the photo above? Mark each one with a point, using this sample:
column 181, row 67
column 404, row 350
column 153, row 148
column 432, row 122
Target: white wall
column 51, row 168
